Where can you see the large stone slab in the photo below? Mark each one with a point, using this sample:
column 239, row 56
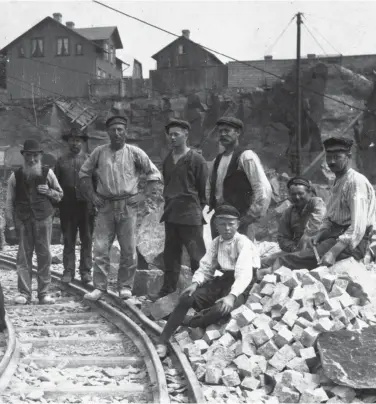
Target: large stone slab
column 362, row 283
column 147, row 282
column 349, row 358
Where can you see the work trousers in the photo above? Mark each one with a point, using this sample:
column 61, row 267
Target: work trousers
column 177, row 236
column 2, row 310
column 204, row 301
column 76, row 215
column 306, row 258
column 34, row 234
column 115, row 218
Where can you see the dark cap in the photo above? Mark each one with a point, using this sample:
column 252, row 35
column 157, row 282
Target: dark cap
column 298, row 181
column 338, row 144
column 31, row 146
column 116, row 119
column 177, row 122
column 229, row 120
column 227, row 211
column 75, row 132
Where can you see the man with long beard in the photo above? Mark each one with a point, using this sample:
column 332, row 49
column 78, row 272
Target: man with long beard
column 31, row 191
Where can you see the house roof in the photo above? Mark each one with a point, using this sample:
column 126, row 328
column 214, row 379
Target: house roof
column 188, row 40
column 100, row 33
column 50, row 19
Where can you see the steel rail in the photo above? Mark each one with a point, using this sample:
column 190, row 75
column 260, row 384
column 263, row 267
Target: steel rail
column 194, row 387
column 112, row 314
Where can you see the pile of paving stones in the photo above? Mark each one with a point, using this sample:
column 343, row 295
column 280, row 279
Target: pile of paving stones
column 267, row 351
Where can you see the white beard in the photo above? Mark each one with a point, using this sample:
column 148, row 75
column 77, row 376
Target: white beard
column 34, row 171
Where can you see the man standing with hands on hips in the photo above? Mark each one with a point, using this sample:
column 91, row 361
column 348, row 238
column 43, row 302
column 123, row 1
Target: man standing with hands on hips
column 117, row 167
column 31, row 189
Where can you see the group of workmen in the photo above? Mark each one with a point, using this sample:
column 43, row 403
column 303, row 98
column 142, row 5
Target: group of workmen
column 98, row 195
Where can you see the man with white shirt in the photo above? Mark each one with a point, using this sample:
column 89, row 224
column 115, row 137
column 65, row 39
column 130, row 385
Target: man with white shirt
column 212, row 296
column 117, row 168
column 238, row 178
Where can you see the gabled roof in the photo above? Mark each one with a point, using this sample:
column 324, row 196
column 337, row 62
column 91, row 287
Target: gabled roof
column 188, row 40
column 74, row 31
column 101, row 33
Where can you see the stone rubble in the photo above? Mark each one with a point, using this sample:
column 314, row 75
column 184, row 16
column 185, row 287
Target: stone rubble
column 267, row 351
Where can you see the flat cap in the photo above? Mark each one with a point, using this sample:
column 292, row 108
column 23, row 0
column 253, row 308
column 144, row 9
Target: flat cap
column 116, row 119
column 299, row 181
column 177, row 122
column 227, row 211
column 232, row 121
column 338, row 144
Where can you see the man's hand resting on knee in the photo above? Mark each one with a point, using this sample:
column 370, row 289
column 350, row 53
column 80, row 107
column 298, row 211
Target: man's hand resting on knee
column 226, row 304
column 187, row 292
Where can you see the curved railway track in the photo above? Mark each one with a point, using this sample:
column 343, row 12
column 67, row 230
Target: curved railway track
column 77, row 351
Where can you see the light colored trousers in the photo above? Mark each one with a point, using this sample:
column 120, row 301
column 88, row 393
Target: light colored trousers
column 115, row 218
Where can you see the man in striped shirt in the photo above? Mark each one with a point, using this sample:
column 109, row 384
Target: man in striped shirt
column 215, row 297
column 351, row 209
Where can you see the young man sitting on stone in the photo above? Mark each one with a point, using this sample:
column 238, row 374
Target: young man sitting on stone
column 300, row 222
column 215, row 297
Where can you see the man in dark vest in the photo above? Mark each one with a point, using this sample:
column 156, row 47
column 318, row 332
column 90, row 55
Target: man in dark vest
column 76, row 213
column 237, row 178
column 31, row 191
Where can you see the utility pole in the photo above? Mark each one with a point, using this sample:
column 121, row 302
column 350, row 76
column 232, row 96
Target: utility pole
column 298, row 97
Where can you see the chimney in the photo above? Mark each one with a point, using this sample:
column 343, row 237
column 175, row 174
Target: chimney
column 186, row 33
column 58, row 17
column 268, row 57
column 311, row 56
column 70, row 24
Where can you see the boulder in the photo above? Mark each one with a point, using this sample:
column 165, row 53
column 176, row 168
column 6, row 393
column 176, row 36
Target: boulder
column 147, row 282
column 151, row 237
column 354, row 365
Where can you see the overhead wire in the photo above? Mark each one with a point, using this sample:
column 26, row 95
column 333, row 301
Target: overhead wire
column 269, row 50
column 234, row 59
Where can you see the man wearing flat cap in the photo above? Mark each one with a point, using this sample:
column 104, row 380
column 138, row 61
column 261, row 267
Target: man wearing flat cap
column 76, row 213
column 351, row 208
column 301, row 221
column 214, row 297
column 237, row 177
column 31, row 191
column 185, row 175
column 117, row 167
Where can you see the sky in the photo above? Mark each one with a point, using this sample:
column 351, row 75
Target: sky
column 243, row 30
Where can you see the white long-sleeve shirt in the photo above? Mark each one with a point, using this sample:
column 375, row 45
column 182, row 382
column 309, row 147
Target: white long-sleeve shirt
column 351, row 203
column 250, row 163
column 238, row 254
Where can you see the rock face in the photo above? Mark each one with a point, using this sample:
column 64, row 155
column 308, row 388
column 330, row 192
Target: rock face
column 354, row 364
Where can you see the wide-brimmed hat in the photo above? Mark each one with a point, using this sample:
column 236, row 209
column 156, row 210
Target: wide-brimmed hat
column 75, row 132
column 31, row 146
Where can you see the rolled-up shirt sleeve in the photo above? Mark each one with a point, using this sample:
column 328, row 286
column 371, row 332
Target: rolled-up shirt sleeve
column 147, row 166
column 358, row 204
column 261, row 188
column 55, row 193
column 87, row 169
column 247, row 260
column 208, row 265
column 10, row 201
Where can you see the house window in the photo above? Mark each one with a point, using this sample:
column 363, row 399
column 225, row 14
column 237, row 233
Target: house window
column 99, row 73
column 106, row 51
column 37, row 47
column 79, row 50
column 112, row 55
column 181, row 50
column 103, row 74
column 62, row 47
column 21, row 51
